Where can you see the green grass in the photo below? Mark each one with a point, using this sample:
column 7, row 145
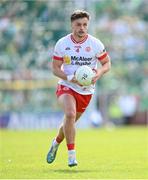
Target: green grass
column 120, row 153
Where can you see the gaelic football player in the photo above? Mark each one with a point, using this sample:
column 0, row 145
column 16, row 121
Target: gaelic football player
column 76, row 49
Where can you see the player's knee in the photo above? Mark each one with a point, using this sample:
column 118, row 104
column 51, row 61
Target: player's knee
column 71, row 115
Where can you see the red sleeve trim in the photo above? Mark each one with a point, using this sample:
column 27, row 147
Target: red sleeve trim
column 102, row 56
column 57, row 58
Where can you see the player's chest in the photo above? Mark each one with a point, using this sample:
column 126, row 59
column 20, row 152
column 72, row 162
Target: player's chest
column 78, row 55
column 78, row 50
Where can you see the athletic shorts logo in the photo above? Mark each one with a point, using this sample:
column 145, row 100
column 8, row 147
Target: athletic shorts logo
column 65, row 88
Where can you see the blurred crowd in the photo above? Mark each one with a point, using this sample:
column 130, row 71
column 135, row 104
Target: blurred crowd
column 29, row 30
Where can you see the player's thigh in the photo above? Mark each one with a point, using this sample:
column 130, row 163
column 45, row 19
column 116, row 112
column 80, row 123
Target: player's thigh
column 67, row 103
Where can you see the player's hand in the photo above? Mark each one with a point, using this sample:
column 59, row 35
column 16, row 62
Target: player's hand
column 98, row 75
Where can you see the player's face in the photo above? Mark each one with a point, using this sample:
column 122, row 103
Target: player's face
column 80, row 27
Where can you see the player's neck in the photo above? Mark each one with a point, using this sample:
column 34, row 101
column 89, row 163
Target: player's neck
column 78, row 39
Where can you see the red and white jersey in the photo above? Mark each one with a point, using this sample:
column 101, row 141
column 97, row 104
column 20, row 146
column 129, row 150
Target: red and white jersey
column 74, row 54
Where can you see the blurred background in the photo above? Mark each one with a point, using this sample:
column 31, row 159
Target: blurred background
column 29, row 30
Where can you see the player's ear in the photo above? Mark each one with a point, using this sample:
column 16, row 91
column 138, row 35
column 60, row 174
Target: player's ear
column 72, row 24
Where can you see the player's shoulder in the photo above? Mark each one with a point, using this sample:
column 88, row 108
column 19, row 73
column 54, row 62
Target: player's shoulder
column 63, row 39
column 96, row 43
column 94, row 39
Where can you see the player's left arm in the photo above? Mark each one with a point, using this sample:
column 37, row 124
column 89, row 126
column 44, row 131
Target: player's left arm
column 105, row 67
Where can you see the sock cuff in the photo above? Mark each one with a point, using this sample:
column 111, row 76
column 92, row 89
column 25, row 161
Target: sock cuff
column 71, row 146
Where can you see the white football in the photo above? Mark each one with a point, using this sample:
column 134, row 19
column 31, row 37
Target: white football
column 84, row 75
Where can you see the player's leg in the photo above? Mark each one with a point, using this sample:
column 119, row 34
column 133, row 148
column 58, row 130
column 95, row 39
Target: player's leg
column 63, row 90
column 60, row 135
column 68, row 104
column 71, row 149
column 57, row 140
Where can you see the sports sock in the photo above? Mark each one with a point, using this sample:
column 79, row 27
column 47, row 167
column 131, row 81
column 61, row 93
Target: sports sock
column 71, row 154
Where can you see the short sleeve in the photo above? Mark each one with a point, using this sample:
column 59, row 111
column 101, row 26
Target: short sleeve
column 57, row 54
column 101, row 51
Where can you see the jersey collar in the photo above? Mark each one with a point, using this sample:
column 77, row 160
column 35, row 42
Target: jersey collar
column 80, row 42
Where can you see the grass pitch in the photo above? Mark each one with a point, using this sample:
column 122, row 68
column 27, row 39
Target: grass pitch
column 120, row 153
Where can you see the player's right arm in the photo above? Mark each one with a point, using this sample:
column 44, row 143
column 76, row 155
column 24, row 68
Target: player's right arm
column 57, row 71
column 58, row 62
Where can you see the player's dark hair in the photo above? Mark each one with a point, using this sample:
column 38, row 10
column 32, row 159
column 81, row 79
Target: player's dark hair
column 79, row 14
